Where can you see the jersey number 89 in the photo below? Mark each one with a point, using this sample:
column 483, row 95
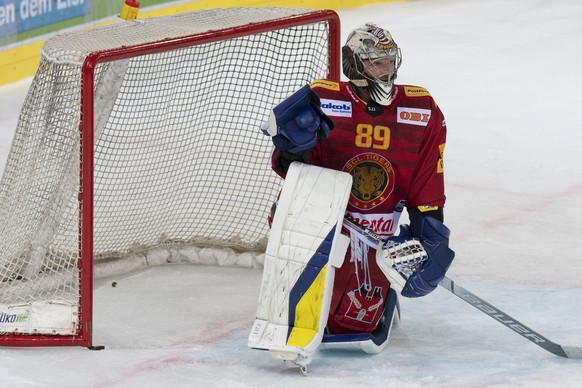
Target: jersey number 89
column 369, row 136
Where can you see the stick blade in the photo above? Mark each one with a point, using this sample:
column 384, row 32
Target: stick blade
column 572, row 351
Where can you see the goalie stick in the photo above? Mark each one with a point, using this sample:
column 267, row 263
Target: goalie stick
column 489, row 309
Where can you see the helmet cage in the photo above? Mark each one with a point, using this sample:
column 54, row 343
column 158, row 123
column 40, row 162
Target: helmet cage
column 376, row 56
column 371, row 59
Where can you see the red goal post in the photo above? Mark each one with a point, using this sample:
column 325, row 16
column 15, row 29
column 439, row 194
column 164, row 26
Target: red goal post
column 141, row 139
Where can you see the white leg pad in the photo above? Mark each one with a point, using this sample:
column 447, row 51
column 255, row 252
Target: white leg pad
column 305, row 243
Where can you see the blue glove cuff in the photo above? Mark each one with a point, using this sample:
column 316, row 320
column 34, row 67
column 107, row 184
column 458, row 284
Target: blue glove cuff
column 434, row 237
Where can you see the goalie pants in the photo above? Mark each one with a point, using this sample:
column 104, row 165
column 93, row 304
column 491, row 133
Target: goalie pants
column 359, row 293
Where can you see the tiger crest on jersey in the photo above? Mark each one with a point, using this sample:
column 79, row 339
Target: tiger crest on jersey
column 373, row 180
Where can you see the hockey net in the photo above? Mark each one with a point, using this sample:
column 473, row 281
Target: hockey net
column 139, row 142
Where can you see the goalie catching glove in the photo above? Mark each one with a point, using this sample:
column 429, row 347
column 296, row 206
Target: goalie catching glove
column 298, row 122
column 418, row 258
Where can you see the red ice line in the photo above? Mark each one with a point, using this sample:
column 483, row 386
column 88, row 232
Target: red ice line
column 523, row 210
column 183, row 356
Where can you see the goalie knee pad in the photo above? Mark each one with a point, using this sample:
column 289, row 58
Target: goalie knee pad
column 373, row 342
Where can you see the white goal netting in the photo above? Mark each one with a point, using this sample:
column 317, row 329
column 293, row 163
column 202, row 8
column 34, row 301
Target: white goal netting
column 180, row 164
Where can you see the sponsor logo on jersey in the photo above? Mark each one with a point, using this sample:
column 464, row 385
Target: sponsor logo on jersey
column 374, row 109
column 382, row 224
column 373, row 180
column 322, row 83
column 336, row 107
column 427, row 208
column 441, row 163
column 415, row 91
column 413, row 116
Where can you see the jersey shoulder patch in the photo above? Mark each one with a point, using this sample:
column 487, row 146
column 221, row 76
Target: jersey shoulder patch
column 415, row 91
column 325, row 84
column 427, row 208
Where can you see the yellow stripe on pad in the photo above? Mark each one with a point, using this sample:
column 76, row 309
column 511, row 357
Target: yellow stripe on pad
column 308, row 313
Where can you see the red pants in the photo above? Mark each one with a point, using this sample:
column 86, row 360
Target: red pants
column 359, row 295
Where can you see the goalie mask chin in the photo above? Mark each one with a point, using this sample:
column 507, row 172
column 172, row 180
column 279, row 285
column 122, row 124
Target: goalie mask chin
column 371, row 59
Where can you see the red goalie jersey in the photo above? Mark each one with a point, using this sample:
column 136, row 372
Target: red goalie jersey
column 395, row 156
column 394, row 153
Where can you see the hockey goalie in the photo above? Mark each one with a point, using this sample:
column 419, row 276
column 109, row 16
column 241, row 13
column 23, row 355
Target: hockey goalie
column 363, row 150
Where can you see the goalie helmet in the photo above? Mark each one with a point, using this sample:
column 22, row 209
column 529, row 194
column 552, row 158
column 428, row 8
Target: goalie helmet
column 371, row 59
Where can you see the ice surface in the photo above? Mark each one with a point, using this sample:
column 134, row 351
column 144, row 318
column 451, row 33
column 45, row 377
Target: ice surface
column 506, row 73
